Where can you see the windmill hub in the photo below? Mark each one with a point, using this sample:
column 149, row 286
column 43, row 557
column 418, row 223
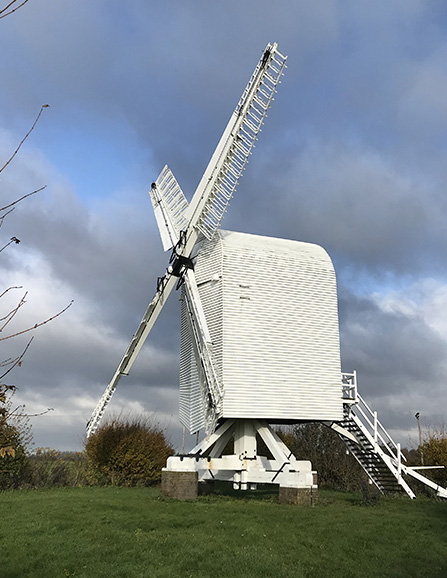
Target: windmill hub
column 179, row 266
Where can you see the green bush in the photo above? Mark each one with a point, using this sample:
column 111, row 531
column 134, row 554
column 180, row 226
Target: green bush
column 13, row 460
column 15, row 440
column 127, row 453
column 434, row 451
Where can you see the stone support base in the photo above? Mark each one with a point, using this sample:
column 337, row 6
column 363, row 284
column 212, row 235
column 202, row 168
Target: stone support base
column 244, row 468
column 298, row 496
column 179, row 485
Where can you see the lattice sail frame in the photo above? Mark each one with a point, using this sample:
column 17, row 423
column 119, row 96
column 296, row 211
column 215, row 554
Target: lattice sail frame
column 228, row 162
column 169, row 205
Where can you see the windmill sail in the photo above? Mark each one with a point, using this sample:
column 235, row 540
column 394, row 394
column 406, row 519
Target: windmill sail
column 211, row 386
column 169, row 205
column 225, row 168
column 165, row 286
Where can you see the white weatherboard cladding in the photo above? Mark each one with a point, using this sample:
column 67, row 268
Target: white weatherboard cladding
column 271, row 307
column 191, row 409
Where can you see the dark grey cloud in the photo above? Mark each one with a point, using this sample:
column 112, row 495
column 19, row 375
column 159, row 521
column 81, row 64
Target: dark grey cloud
column 401, row 361
column 390, row 349
column 358, row 206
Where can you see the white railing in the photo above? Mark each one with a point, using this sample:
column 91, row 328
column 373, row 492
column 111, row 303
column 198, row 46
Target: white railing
column 380, row 435
column 349, row 392
column 376, row 433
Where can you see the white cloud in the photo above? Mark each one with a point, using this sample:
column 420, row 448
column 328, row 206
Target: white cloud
column 426, row 298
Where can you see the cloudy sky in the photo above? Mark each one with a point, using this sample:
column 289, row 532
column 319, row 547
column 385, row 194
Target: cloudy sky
column 353, row 157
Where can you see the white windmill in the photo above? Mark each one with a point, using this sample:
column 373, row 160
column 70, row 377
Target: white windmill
column 260, row 335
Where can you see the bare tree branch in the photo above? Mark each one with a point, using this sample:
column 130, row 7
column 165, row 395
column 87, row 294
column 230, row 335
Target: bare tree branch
column 8, row 6
column 13, row 312
column 10, row 289
column 13, row 240
column 28, row 133
column 13, row 412
column 2, row 218
column 11, row 206
column 37, row 324
column 21, row 199
column 3, row 12
column 17, row 361
column 5, row 387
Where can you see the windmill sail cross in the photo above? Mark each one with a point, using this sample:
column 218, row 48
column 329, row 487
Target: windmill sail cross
column 181, row 225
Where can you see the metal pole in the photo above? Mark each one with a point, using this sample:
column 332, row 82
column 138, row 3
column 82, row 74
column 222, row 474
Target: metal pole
column 418, row 417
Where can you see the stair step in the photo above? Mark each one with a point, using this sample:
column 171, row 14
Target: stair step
column 371, row 461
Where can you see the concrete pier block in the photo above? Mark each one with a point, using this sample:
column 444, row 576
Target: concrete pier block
column 298, row 496
column 179, row 485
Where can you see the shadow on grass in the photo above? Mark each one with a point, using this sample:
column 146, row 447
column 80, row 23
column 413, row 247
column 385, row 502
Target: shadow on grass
column 269, row 493
column 264, row 492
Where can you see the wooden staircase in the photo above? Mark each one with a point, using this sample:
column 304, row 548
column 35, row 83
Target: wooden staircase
column 372, row 446
column 373, row 464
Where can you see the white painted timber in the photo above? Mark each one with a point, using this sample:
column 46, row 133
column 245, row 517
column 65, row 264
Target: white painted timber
column 271, row 309
column 169, row 205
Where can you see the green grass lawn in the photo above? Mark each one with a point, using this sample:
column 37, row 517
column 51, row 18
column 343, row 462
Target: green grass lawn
column 110, row 532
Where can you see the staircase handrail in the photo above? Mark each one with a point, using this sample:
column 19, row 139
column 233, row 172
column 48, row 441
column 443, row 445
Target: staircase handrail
column 349, row 387
column 380, row 434
column 441, row 492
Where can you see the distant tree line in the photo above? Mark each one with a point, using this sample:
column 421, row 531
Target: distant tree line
column 132, row 452
column 122, row 452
